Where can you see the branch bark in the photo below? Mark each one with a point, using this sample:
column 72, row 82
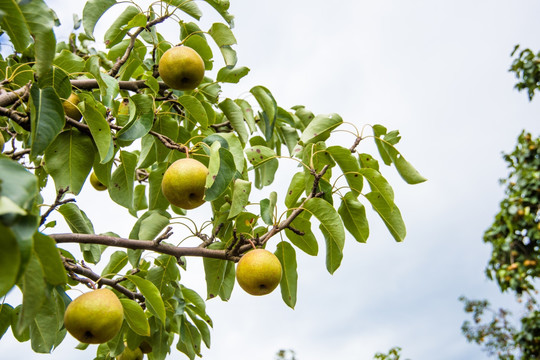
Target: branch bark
column 151, row 245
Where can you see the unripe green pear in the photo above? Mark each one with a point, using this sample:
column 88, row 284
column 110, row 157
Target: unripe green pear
column 258, row 272
column 184, row 183
column 181, row 68
column 129, row 354
column 70, row 107
column 98, row 185
column 94, row 317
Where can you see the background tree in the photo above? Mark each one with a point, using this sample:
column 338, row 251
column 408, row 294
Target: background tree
column 122, row 130
column 515, row 240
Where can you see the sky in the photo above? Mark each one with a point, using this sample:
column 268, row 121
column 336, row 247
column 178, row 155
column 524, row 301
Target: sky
column 438, row 72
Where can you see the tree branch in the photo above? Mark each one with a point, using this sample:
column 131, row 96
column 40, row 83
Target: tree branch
column 57, row 202
column 72, row 267
column 116, row 67
column 151, row 245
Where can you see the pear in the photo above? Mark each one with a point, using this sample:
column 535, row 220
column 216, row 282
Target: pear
column 258, row 272
column 70, row 107
column 184, row 183
column 129, row 354
column 98, row 185
column 94, row 317
column 181, row 68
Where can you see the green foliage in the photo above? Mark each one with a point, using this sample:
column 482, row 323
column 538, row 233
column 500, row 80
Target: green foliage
column 133, row 128
column 526, row 67
column 515, row 233
column 393, row 354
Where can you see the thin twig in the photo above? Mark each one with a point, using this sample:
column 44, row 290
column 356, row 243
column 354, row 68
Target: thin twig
column 57, row 202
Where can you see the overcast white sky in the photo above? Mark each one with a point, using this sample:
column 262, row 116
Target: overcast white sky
column 435, row 70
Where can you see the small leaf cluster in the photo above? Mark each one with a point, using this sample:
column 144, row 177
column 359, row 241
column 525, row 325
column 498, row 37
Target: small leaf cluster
column 526, row 66
column 133, row 128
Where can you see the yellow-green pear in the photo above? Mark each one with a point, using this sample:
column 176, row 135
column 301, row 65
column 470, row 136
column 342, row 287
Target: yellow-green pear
column 181, row 68
column 129, row 354
column 184, row 183
column 98, row 185
column 258, row 272
column 70, row 107
column 94, row 317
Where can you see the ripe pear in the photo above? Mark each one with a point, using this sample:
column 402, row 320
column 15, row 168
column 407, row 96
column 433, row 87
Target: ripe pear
column 258, row 272
column 70, row 107
column 181, row 68
column 94, row 317
column 184, row 183
column 129, row 354
column 98, row 185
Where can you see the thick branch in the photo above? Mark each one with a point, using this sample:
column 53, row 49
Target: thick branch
column 143, row 245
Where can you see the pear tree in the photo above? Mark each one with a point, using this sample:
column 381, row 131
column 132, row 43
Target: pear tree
column 116, row 112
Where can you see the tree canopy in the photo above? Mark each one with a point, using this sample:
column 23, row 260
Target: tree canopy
column 96, row 112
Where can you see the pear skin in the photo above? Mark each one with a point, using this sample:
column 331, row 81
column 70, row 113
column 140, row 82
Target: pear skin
column 94, row 317
column 184, row 183
column 258, row 272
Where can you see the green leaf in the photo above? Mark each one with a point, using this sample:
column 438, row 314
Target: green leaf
column 287, row 257
column 92, row 12
column 319, row 128
column 221, row 7
column 154, row 302
column 214, row 270
column 17, row 184
column 222, row 34
column 118, row 28
column 332, row 229
column 221, row 172
column 34, row 293
column 39, row 20
column 267, row 207
column 49, row 257
column 296, row 188
column 247, row 112
column 121, row 185
column 265, row 162
column 240, row 197
column 69, row 62
column 269, row 106
column 353, row 214
column 117, row 262
column 10, row 259
column 6, row 313
column 391, row 216
column 378, row 132
column 76, row 219
column 233, row 75
column 303, row 238
column 190, row 339
column 203, row 328
column 69, row 160
column 150, row 225
column 367, row 161
column 195, row 110
column 349, row 166
column 403, row 167
column 14, row 24
column 57, row 79
column 99, row 128
column 142, row 121
column 44, row 329
column 234, row 114
column 156, row 200
column 379, row 184
column 47, row 118
column 189, row 7
column 135, row 317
